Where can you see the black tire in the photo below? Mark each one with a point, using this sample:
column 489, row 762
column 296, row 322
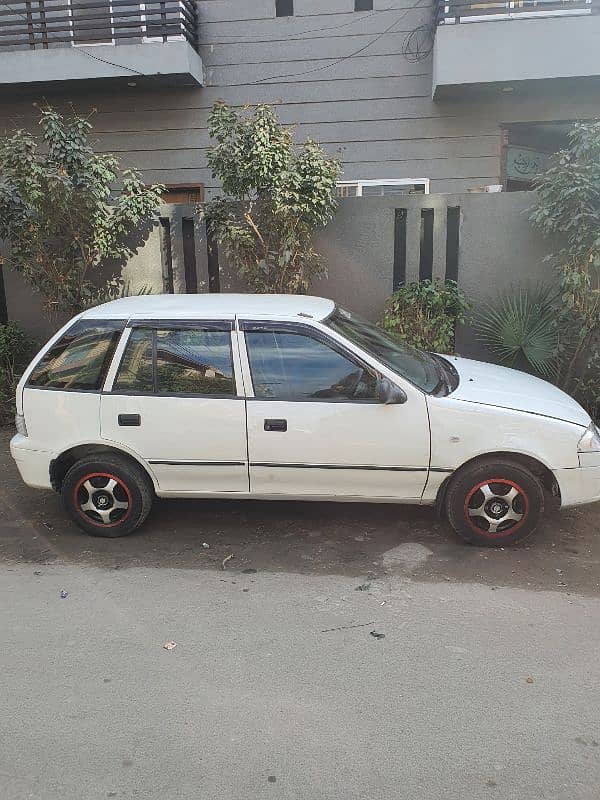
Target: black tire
column 113, row 509
column 509, row 496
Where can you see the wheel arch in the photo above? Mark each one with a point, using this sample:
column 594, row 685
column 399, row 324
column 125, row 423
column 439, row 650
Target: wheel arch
column 534, row 465
column 60, row 465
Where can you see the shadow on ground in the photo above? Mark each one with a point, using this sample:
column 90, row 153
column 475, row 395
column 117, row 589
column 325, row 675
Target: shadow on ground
column 359, row 540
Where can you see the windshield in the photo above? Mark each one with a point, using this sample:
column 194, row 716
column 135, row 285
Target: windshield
column 415, row 365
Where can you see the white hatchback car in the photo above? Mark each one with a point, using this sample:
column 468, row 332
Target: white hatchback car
column 289, row 397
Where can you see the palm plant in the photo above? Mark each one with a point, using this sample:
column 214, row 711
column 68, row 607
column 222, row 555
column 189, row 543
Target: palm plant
column 521, row 329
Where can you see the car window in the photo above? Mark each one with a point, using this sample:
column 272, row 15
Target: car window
column 197, row 362
column 186, row 362
column 135, row 371
column 81, row 357
column 294, row 366
column 417, row 366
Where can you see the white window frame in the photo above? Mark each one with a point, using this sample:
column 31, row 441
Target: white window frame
column 359, row 184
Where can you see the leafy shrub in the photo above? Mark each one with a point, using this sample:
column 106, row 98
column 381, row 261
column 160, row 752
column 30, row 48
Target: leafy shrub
column 425, row 314
column 587, row 385
column 275, row 196
column 16, row 349
column 66, row 211
column 520, row 330
column 567, row 211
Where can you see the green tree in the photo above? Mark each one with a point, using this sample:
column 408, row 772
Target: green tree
column 275, row 196
column 568, row 211
column 63, row 215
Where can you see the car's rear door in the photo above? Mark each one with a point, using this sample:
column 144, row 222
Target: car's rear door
column 315, row 427
column 176, row 400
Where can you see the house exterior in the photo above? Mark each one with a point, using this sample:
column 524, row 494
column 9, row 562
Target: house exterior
column 413, row 96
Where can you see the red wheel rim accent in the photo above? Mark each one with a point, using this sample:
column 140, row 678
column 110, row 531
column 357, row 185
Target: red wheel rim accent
column 109, row 476
column 507, row 531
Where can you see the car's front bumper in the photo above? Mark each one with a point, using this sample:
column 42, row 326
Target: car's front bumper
column 33, row 465
column 578, row 486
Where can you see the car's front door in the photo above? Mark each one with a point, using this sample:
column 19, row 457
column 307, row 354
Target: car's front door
column 315, row 426
column 174, row 400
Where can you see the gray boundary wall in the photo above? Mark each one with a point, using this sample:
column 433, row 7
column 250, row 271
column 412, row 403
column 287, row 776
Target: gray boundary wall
column 497, row 248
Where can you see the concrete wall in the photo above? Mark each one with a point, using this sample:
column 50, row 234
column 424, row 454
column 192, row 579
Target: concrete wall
column 497, row 248
column 144, row 272
column 338, row 75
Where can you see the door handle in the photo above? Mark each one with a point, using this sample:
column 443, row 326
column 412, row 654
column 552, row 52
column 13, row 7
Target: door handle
column 276, row 425
column 129, row 420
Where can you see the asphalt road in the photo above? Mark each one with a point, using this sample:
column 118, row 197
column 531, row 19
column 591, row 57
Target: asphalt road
column 485, row 685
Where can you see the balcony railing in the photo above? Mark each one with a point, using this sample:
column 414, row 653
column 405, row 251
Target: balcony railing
column 450, row 12
column 44, row 24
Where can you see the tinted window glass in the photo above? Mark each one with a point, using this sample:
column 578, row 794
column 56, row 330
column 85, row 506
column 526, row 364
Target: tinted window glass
column 194, row 362
column 80, row 359
column 187, row 362
column 419, row 367
column 135, row 370
column 295, row 367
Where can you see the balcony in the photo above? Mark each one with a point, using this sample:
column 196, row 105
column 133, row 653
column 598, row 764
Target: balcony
column 45, row 42
column 489, row 43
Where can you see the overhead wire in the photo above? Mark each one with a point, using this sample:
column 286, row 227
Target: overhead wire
column 235, row 40
column 355, row 53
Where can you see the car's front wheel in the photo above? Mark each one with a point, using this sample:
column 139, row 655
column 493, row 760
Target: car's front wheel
column 107, row 495
column 494, row 503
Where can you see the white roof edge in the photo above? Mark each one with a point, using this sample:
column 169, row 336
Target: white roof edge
column 227, row 306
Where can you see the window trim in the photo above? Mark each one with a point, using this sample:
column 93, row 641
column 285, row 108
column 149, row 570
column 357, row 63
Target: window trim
column 303, row 329
column 360, row 184
column 179, row 325
column 182, row 324
column 119, row 327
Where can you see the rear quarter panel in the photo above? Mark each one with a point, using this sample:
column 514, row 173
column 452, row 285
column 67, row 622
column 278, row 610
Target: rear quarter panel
column 59, row 420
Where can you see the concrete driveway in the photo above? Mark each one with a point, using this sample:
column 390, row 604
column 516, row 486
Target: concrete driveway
column 485, row 684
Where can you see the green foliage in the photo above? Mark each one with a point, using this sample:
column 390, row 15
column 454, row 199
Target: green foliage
column 16, row 350
column 567, row 210
column 275, row 195
column 62, row 214
column 425, row 314
column 520, row 331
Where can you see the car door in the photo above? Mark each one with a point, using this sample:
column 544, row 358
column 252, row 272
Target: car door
column 315, row 426
column 176, row 400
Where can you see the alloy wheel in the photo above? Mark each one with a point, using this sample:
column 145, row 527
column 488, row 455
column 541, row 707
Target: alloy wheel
column 496, row 506
column 103, row 499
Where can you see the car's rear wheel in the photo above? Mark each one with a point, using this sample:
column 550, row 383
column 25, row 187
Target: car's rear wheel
column 107, row 495
column 494, row 503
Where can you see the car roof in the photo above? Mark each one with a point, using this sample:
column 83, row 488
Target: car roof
column 212, row 306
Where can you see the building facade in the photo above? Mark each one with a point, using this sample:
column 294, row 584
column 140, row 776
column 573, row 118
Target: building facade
column 413, row 96
column 392, row 93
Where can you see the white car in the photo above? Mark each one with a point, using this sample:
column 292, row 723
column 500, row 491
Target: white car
column 289, row 397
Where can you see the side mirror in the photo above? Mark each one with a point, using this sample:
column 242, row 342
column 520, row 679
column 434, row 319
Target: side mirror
column 388, row 393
